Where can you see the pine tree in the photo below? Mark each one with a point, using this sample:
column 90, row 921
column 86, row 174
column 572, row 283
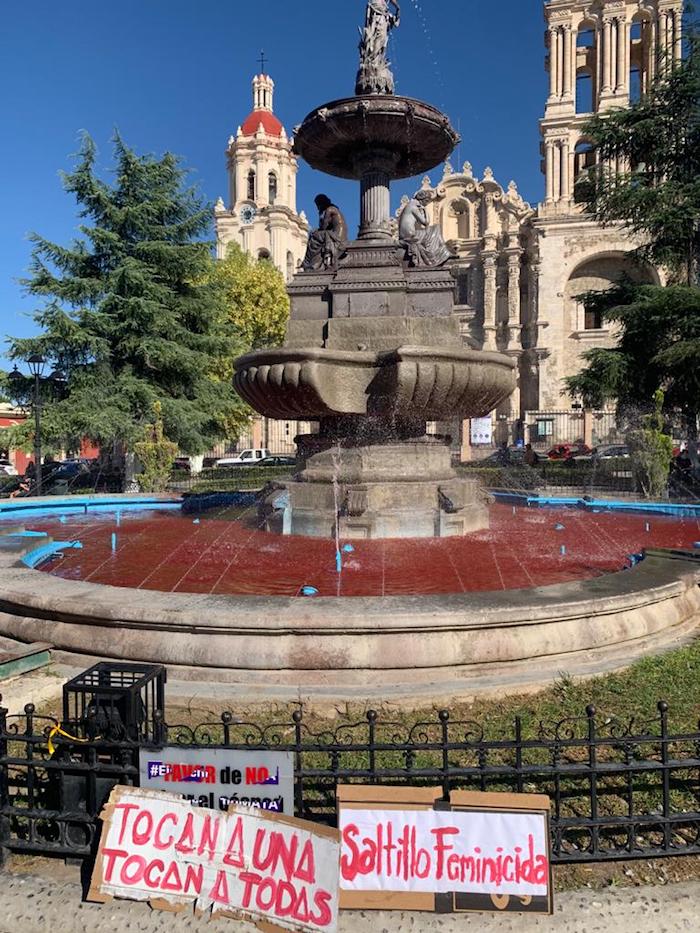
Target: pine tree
column 130, row 313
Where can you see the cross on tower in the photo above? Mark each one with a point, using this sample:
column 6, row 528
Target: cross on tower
column 262, row 61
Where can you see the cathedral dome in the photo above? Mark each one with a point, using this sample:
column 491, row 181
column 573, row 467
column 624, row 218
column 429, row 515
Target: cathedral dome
column 270, row 123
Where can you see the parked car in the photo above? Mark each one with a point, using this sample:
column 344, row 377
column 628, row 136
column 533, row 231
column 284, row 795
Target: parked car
column 568, row 451
column 607, row 452
column 516, row 455
column 250, row 457
column 612, row 451
column 277, row 461
column 7, row 468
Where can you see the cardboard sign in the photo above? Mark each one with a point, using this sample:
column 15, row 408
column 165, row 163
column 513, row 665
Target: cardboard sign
column 479, row 852
column 218, row 777
column 275, row 871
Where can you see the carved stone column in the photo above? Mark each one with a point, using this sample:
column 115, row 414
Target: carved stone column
column 375, row 197
column 513, row 292
column 663, row 40
column 621, row 58
column 552, row 62
column 489, row 259
column 560, row 62
column 565, row 171
column 557, row 170
column 533, row 310
column 677, row 36
column 549, row 156
column 607, row 55
column 277, row 238
column 549, row 170
column 567, row 37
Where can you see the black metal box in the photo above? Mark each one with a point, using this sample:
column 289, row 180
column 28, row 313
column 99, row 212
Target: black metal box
column 115, row 701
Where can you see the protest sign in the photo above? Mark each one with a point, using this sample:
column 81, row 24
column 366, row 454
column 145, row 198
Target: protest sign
column 357, row 797
column 249, row 864
column 479, row 852
column 218, row 777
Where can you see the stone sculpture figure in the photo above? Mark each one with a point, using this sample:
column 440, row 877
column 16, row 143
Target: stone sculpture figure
column 374, row 75
column 423, row 243
column 328, row 243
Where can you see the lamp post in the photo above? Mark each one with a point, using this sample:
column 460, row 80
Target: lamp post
column 36, row 364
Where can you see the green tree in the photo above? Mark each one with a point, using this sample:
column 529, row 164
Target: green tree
column 651, row 452
column 647, row 171
column 254, row 306
column 254, row 300
column 657, row 199
column 130, row 312
column 156, row 454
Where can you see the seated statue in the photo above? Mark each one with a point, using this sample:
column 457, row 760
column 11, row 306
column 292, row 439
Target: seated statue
column 328, row 243
column 423, row 243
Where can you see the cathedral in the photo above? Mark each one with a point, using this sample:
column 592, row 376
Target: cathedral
column 519, row 269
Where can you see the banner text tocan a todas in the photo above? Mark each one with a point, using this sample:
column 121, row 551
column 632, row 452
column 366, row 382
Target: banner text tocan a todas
column 276, row 871
column 218, row 777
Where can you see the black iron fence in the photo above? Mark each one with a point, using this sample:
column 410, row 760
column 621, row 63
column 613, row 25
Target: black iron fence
column 619, row 789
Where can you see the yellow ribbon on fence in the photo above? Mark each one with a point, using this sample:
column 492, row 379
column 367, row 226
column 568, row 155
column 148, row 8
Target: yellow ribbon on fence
column 58, row 731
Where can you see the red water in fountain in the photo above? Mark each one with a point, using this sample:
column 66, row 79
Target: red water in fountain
column 523, row 548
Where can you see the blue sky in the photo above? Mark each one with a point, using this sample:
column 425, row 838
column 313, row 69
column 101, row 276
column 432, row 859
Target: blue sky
column 175, row 75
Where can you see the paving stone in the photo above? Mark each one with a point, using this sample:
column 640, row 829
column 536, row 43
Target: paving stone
column 34, row 904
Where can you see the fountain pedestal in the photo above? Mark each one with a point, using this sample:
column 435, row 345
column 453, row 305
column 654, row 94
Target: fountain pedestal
column 373, row 350
column 395, row 489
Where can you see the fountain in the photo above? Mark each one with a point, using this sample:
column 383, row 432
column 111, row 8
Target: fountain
column 372, row 349
column 373, row 352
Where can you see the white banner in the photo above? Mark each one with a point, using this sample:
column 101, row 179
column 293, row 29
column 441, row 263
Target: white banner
column 481, row 430
column 444, row 852
column 246, row 863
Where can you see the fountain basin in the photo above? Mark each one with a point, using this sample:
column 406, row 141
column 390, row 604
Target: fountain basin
column 422, row 383
column 335, row 138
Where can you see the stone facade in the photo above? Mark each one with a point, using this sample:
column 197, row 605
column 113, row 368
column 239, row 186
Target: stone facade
column 520, row 269
column 261, row 215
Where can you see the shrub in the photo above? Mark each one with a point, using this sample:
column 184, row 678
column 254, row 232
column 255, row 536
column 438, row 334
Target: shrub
column 157, row 455
column 651, row 452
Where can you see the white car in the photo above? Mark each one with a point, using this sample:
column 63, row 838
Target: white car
column 245, row 458
column 7, row 468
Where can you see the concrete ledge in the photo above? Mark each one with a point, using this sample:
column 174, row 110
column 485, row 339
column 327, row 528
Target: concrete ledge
column 364, row 646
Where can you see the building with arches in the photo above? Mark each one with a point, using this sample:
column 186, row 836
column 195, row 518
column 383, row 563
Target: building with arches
column 520, row 269
column 261, row 214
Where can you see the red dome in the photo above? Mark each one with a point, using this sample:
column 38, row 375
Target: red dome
column 271, row 124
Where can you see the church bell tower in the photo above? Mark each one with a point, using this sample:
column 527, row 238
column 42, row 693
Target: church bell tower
column 261, row 214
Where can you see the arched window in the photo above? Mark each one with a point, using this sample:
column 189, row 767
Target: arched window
column 251, row 185
column 584, row 160
column 272, row 187
column 584, row 91
column 635, row 84
column 585, row 37
column 264, row 254
column 584, row 157
column 636, row 31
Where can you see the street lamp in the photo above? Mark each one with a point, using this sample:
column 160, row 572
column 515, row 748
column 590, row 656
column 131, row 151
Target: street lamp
column 36, row 364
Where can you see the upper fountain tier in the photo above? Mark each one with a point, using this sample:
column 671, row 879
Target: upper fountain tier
column 345, row 137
